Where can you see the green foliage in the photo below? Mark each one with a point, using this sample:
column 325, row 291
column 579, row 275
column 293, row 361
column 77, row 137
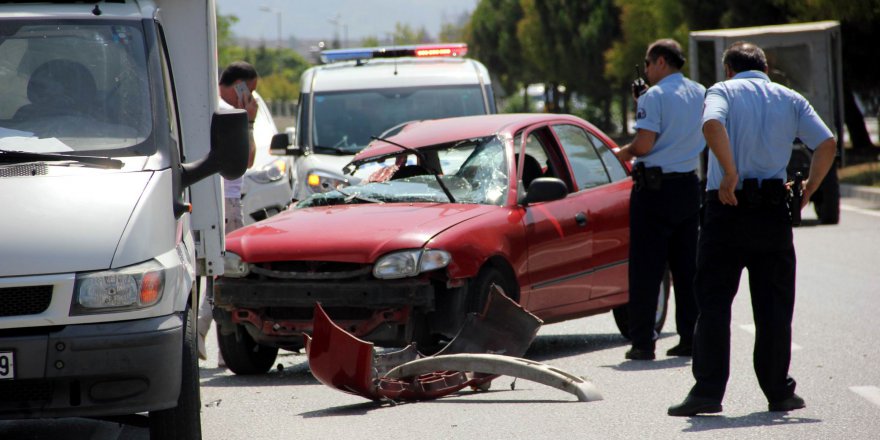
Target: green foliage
column 370, row 42
column 492, row 38
column 279, row 69
column 404, row 34
column 643, row 22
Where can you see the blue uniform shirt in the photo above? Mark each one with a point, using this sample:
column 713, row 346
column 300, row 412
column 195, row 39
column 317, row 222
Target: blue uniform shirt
column 762, row 119
column 672, row 109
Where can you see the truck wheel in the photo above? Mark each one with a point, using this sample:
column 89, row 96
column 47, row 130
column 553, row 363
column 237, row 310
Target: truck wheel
column 621, row 313
column 827, row 202
column 183, row 421
column 243, row 355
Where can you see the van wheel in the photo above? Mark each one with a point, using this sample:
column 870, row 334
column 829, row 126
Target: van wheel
column 621, row 313
column 243, row 355
column 183, row 421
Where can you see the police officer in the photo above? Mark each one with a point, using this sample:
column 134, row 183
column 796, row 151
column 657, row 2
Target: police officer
column 665, row 201
column 749, row 123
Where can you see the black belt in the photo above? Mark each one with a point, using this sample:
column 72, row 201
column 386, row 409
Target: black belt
column 669, row 176
column 712, row 196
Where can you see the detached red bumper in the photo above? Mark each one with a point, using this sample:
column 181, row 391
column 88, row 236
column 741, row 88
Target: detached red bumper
column 342, row 361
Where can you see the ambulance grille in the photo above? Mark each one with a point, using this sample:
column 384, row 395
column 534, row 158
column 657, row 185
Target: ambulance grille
column 27, row 300
column 24, row 170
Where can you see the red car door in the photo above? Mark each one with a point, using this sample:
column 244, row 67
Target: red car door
column 558, row 235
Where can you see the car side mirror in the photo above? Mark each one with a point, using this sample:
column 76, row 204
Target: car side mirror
column 279, row 144
column 545, row 189
column 229, row 148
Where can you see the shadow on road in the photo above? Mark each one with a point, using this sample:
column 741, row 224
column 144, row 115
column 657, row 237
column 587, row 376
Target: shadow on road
column 709, row 423
column 549, row 347
column 357, row 409
column 294, row 371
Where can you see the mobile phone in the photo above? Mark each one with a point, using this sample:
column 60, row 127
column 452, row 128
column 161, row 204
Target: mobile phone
column 241, row 90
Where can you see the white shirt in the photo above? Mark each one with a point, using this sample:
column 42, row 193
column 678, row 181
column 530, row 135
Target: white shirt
column 231, row 188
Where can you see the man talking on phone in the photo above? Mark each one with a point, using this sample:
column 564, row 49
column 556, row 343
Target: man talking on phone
column 237, row 82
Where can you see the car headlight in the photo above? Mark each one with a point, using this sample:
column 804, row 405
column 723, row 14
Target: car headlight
column 410, row 263
column 320, row 182
column 129, row 288
column 271, row 172
column 233, row 267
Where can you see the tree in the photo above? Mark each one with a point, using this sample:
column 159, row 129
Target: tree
column 492, row 39
column 642, row 22
column 453, row 32
column 860, row 29
column 404, row 34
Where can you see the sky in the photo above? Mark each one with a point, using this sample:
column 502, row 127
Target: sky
column 304, row 19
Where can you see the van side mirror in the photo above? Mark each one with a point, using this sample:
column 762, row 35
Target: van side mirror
column 229, row 148
column 544, row 189
column 279, row 144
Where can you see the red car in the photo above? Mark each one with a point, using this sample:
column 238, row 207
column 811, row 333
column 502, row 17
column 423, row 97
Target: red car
column 441, row 210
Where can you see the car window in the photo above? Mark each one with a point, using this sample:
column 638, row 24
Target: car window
column 612, row 163
column 582, row 156
column 474, row 171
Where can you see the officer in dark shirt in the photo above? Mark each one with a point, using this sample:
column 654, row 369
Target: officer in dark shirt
column 665, row 201
column 749, row 123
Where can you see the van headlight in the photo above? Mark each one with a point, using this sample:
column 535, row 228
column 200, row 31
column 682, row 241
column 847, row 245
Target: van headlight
column 129, row 288
column 410, row 263
column 233, row 267
column 271, row 172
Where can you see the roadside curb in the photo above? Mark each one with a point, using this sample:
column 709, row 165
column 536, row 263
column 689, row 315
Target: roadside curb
column 866, row 193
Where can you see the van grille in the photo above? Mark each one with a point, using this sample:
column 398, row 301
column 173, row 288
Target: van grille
column 28, row 300
column 24, row 393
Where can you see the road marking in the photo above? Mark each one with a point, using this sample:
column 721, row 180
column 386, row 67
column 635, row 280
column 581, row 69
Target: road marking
column 751, row 329
column 851, row 208
column 871, row 394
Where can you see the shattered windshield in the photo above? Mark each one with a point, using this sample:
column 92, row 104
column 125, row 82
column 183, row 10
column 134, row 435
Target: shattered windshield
column 475, row 171
column 73, row 86
column 344, row 121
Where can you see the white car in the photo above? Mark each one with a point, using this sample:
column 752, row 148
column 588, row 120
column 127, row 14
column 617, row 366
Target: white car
column 363, row 92
column 267, row 188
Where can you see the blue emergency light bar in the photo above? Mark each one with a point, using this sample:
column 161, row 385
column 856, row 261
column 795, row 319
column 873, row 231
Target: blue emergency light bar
column 419, row 50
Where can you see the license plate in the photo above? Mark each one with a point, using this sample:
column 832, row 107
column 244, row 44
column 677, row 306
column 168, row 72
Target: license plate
column 7, row 365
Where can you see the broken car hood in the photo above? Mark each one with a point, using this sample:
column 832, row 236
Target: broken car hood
column 350, row 233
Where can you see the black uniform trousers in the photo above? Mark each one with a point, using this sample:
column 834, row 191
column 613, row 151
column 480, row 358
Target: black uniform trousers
column 760, row 240
column 664, row 225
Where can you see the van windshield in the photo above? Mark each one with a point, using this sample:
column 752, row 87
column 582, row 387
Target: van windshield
column 344, row 121
column 73, row 86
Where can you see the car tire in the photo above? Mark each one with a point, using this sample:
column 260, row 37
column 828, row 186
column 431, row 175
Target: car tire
column 478, row 290
column 621, row 313
column 184, row 420
column 243, row 355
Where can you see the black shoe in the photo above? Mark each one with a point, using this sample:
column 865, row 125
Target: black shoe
column 638, row 354
column 792, row 403
column 680, row 350
column 694, row 405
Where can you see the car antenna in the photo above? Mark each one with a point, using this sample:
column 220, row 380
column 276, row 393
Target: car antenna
column 421, row 155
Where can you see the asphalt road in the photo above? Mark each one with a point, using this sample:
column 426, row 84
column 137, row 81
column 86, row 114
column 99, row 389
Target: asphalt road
column 835, row 361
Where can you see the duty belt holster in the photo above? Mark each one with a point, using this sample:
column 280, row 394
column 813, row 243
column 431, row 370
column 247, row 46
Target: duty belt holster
column 772, row 192
column 650, row 178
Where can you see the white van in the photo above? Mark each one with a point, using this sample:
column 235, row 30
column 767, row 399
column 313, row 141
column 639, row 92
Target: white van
column 363, row 92
column 111, row 208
